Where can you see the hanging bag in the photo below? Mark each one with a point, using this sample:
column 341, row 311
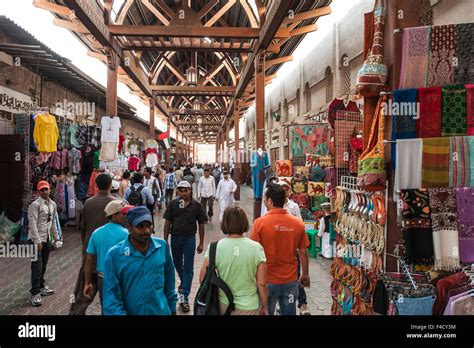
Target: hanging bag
column 371, row 164
column 207, row 298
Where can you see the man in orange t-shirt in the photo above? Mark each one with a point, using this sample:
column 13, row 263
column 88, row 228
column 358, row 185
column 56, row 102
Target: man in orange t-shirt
column 281, row 234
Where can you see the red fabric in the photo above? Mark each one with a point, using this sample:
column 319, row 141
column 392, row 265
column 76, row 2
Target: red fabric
column 338, row 104
column 151, row 151
column 93, row 189
column 133, row 163
column 121, row 140
column 470, row 108
column 429, row 123
column 163, row 135
column 442, row 288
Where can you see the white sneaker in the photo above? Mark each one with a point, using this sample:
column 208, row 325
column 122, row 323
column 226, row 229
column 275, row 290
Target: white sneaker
column 36, row 300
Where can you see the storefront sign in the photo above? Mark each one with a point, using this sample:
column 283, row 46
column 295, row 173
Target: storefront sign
column 13, row 101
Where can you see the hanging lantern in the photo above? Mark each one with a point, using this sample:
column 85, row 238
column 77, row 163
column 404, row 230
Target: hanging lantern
column 196, row 106
column 199, row 120
column 191, row 76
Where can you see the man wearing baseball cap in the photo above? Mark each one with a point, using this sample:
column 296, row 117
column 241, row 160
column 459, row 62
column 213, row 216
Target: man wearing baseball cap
column 101, row 240
column 42, row 227
column 181, row 216
column 139, row 272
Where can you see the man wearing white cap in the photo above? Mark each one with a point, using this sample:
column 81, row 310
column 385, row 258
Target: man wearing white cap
column 100, row 242
column 225, row 193
column 324, row 231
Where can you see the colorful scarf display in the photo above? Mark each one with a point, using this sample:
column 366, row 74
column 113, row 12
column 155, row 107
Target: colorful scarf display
column 445, row 228
column 465, row 211
column 460, row 163
column 435, row 162
column 415, row 51
column 470, row 108
column 464, row 69
column 442, row 53
column 409, row 169
column 454, row 110
column 416, row 225
column 428, row 124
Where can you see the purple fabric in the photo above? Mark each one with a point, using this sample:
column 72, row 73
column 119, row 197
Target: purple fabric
column 447, row 310
column 465, row 206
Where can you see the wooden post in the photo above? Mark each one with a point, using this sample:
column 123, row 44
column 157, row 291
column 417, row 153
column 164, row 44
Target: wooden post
column 259, row 116
column 168, row 151
column 112, row 76
column 227, row 144
column 152, row 118
column 236, row 150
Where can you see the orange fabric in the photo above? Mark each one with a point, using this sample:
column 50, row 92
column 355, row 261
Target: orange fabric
column 280, row 234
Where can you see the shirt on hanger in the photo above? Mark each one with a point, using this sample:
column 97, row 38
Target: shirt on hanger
column 110, row 129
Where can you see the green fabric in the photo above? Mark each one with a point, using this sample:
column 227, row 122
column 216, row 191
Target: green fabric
column 316, row 202
column 237, row 260
column 454, row 111
column 96, row 160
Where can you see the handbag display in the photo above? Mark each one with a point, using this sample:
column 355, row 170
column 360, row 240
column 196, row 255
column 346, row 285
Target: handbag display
column 371, row 165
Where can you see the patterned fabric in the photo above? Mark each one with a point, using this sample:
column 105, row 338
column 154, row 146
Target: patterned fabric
column 317, row 174
column 59, row 197
column 90, row 131
column 81, row 136
column 442, row 52
column 93, row 189
column 445, row 227
column 331, row 182
column 429, row 123
column 283, row 168
column 454, row 110
column 345, row 132
column 470, row 108
column 371, row 172
column 75, row 157
column 316, row 188
column 286, row 179
column 306, row 214
column 59, row 159
column 460, row 163
column 299, row 186
column 316, row 202
column 338, row 104
column 465, row 211
column 170, row 181
column 301, row 199
column 415, row 50
column 64, row 136
column 464, row 70
column 356, row 151
column 372, row 77
column 302, row 171
column 73, row 132
column 96, row 135
column 416, row 226
column 404, row 121
column 309, row 140
column 435, row 163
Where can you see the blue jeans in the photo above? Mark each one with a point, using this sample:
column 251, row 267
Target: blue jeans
column 286, row 295
column 182, row 249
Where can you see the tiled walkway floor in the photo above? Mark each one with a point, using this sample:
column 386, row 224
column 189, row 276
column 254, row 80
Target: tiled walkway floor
column 65, row 262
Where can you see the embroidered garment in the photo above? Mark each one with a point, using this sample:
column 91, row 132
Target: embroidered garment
column 465, row 212
column 470, row 109
column 435, row 162
column 316, row 173
column 283, row 168
column 258, row 165
column 454, row 110
column 75, row 157
column 445, row 228
column 416, row 226
column 356, row 151
column 442, row 54
column 331, row 182
column 316, row 188
column 338, row 105
column 299, row 185
column 464, row 69
column 460, row 165
column 415, row 50
column 428, row 124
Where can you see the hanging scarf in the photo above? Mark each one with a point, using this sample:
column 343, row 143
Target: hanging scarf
column 415, row 50
column 408, row 169
column 416, row 226
column 464, row 70
column 460, row 162
column 470, row 109
column 454, row 110
column 445, row 228
column 435, row 162
column 465, row 210
column 331, row 181
column 442, row 51
column 404, row 121
column 428, row 124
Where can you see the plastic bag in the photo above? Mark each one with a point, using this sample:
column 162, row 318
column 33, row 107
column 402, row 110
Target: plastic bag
column 8, row 228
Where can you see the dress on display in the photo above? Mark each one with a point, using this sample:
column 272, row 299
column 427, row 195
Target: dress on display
column 258, row 172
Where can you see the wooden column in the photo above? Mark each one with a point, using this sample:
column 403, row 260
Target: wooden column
column 236, row 150
column 217, row 147
column 112, row 76
column 259, row 116
column 227, row 144
column 152, row 118
column 168, row 151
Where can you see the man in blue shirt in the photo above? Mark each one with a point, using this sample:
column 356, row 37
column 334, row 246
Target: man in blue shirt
column 147, row 197
column 101, row 240
column 139, row 272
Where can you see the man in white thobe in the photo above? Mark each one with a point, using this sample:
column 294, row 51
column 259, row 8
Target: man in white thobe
column 326, row 247
column 225, row 193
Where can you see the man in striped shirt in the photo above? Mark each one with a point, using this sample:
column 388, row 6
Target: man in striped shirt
column 170, row 185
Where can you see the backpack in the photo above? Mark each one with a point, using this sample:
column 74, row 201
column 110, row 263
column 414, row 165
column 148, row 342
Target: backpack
column 135, row 198
column 207, row 298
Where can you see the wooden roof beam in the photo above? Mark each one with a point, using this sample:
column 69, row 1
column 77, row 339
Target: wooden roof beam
column 49, row 6
column 185, row 31
column 165, row 8
column 279, row 60
column 304, row 30
column 220, row 13
column 78, row 28
column 155, row 11
column 208, row 7
column 322, row 11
